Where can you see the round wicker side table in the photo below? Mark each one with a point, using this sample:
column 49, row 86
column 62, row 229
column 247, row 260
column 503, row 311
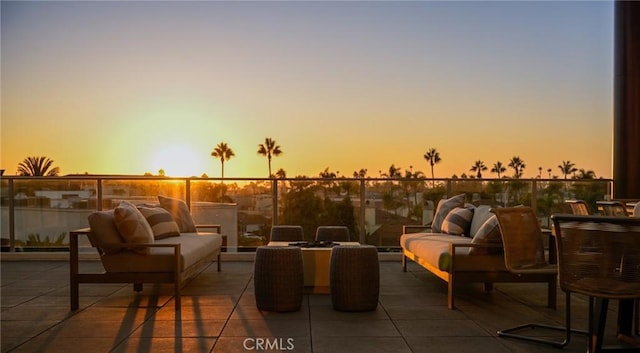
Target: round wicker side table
column 278, row 278
column 355, row 278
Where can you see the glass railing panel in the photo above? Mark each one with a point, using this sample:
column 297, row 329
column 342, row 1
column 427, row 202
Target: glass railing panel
column 140, row 190
column 314, row 202
column 243, row 209
column 5, row 232
column 552, row 195
column 45, row 210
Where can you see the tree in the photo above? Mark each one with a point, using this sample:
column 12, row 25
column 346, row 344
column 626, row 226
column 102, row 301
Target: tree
column 362, row 173
column 498, row 168
column 518, row 166
column 567, row 168
column 585, row 174
column 478, row 167
column 269, row 149
column 37, row 166
column 224, row 153
column 281, row 174
column 433, row 157
column 393, row 172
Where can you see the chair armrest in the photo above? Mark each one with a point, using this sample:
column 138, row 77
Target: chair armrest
column 413, row 228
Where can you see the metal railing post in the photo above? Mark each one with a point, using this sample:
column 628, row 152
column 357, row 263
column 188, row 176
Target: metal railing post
column 274, row 200
column 363, row 213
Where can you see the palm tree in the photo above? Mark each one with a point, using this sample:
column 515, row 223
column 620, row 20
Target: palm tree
column 37, row 166
column 224, row 153
column 478, row 167
column 393, row 172
column 269, row 149
column 567, row 168
column 585, row 174
column 362, row 173
column 498, row 168
column 433, row 157
column 518, row 166
column 281, row 174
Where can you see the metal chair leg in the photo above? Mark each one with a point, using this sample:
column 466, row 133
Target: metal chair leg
column 557, row 344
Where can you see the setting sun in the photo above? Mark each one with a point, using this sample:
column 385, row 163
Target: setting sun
column 176, row 160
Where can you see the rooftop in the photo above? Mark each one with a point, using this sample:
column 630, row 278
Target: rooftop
column 219, row 315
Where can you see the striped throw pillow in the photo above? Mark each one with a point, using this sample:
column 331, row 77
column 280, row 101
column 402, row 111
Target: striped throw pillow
column 489, row 233
column 133, row 227
column 458, row 221
column 161, row 222
column 180, row 213
column 444, row 207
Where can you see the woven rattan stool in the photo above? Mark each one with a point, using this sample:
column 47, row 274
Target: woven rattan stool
column 355, row 278
column 278, row 278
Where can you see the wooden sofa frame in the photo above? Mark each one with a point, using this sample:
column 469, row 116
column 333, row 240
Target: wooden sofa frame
column 485, row 277
column 176, row 277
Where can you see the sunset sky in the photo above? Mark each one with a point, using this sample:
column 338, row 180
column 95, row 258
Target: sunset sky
column 112, row 87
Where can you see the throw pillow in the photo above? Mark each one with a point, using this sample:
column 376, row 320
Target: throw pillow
column 444, row 207
column 458, row 221
column 180, row 212
column 133, row 227
column 489, row 233
column 104, row 229
column 480, row 215
column 161, row 222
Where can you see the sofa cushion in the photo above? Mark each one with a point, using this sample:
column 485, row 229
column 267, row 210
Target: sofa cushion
column 480, row 215
column 161, row 222
column 444, row 207
column 458, row 221
column 132, row 225
column 193, row 247
column 105, row 234
column 180, row 213
column 489, row 233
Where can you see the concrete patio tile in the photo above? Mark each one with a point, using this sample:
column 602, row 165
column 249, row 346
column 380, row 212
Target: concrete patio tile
column 372, row 328
column 459, row 344
column 166, row 345
column 320, row 313
column 183, row 328
column 360, row 345
column 251, row 312
column 266, row 328
column 439, row 328
column 194, row 312
column 50, row 343
column 434, row 312
column 121, row 314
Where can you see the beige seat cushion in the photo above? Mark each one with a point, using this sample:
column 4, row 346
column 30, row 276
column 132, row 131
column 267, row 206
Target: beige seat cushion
column 193, row 247
column 434, row 249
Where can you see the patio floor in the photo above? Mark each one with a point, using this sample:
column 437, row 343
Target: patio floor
column 219, row 315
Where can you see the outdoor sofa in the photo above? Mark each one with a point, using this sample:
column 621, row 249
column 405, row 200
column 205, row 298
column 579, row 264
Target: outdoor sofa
column 464, row 245
column 157, row 244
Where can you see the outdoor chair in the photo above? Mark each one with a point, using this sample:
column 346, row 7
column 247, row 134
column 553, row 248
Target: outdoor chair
column 524, row 254
column 599, row 257
column 287, row 233
column 332, row 233
column 578, row 207
column 611, row 208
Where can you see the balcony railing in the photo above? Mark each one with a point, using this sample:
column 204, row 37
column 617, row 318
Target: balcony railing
column 39, row 212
